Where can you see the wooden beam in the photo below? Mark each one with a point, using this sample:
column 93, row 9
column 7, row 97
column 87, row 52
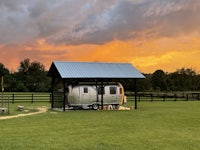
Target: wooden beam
column 52, row 93
column 135, row 90
column 102, row 89
column 64, row 96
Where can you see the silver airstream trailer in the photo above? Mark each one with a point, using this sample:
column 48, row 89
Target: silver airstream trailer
column 88, row 95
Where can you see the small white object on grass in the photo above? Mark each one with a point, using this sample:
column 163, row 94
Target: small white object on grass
column 20, row 107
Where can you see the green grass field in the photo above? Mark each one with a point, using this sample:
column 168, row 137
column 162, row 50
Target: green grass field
column 153, row 126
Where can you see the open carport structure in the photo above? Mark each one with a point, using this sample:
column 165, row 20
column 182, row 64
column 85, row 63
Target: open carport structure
column 67, row 73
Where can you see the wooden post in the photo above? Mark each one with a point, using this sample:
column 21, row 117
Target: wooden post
column 97, row 91
column 32, row 98
column 175, row 97
column 64, row 97
column 151, row 97
column 52, row 95
column 102, row 89
column 139, row 97
column 2, row 90
column 8, row 106
column 13, row 98
column 135, row 87
column 187, row 97
column 164, row 96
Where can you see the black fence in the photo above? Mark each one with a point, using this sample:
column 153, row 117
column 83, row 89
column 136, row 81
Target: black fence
column 4, row 104
column 141, row 96
column 144, row 96
column 28, row 97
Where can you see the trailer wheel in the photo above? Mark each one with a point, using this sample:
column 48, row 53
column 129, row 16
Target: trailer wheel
column 95, row 106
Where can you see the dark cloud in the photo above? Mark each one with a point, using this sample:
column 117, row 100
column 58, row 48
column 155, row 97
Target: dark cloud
column 153, row 18
column 95, row 22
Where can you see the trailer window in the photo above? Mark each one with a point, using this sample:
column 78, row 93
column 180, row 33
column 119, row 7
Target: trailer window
column 112, row 90
column 100, row 91
column 85, row 90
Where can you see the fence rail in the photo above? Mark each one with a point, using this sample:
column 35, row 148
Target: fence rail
column 141, row 96
column 188, row 96
column 28, row 97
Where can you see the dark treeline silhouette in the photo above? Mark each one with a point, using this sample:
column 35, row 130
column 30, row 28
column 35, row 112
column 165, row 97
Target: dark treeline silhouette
column 184, row 79
column 32, row 77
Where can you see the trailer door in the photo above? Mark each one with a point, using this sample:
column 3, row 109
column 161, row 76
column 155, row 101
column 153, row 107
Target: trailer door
column 111, row 96
column 84, row 95
column 88, row 95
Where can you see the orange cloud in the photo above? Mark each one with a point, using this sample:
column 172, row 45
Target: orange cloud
column 149, row 55
column 149, row 34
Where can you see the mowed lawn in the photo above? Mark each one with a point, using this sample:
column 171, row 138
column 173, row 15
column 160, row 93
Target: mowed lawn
column 154, row 125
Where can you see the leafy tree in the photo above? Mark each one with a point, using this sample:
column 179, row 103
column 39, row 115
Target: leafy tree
column 3, row 70
column 172, row 82
column 142, row 84
column 24, row 66
column 185, row 78
column 196, row 85
column 33, row 76
column 5, row 73
column 159, row 80
column 182, row 79
column 16, row 84
column 145, row 84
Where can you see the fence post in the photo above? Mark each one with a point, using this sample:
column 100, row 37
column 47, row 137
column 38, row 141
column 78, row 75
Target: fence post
column 151, row 97
column 8, row 105
column 175, row 97
column 13, row 97
column 32, row 98
column 50, row 98
column 187, row 97
column 139, row 97
column 164, row 96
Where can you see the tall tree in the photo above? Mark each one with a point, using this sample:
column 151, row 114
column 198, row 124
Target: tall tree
column 33, row 76
column 3, row 70
column 5, row 73
column 159, row 80
column 24, row 65
column 36, row 76
column 183, row 79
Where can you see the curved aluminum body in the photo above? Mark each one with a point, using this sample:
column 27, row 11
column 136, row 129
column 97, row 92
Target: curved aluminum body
column 85, row 96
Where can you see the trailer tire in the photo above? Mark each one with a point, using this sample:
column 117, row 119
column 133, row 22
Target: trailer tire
column 95, row 106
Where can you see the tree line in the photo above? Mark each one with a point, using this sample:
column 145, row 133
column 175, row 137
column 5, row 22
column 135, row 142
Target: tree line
column 184, row 79
column 32, row 77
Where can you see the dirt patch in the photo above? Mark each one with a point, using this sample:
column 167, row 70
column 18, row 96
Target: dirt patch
column 40, row 110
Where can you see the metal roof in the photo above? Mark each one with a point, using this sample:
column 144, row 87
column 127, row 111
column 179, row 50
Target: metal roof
column 94, row 70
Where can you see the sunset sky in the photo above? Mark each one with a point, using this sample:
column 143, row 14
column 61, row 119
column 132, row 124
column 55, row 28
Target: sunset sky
column 150, row 34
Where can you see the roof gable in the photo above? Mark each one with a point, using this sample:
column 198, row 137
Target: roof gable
column 93, row 70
